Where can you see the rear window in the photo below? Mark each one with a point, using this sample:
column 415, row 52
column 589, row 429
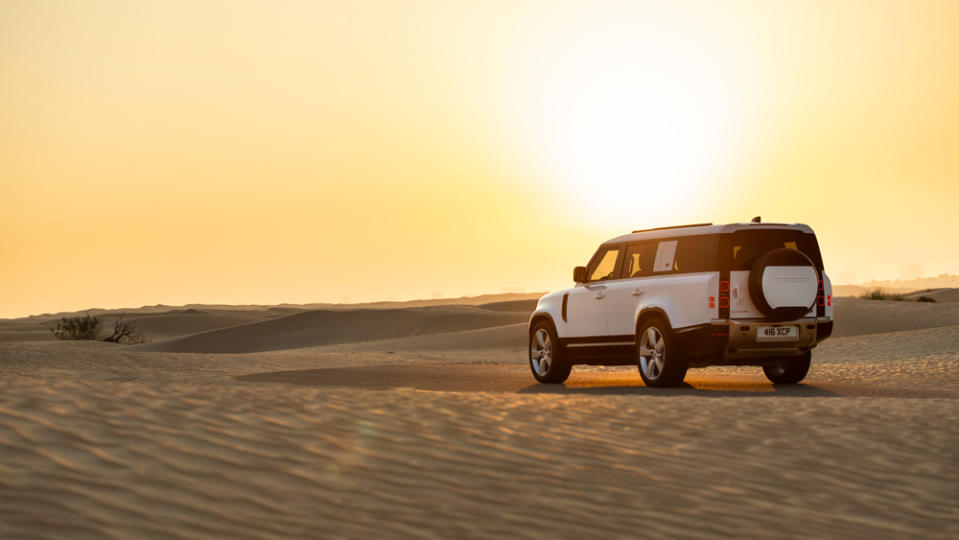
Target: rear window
column 747, row 246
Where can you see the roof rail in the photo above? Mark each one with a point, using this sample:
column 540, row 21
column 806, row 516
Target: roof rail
column 674, row 227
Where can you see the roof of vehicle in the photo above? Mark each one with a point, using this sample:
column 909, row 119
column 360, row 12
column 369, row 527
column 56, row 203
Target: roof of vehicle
column 699, row 230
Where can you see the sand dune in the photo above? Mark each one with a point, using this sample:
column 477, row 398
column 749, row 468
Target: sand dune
column 948, row 295
column 527, row 306
column 315, row 328
column 497, row 325
column 855, row 316
column 154, row 325
column 488, row 299
column 937, row 282
column 939, row 295
column 505, row 337
column 190, row 321
column 901, row 286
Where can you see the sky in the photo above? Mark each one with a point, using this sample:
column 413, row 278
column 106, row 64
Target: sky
column 267, row 152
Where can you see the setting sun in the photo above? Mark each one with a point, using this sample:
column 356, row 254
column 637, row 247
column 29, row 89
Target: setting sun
column 629, row 124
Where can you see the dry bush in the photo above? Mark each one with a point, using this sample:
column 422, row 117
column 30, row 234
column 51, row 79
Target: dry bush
column 77, row 328
column 880, row 294
column 125, row 332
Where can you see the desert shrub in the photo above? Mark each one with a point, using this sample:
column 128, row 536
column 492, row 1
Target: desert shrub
column 880, row 294
column 925, row 299
column 125, row 332
column 77, row 328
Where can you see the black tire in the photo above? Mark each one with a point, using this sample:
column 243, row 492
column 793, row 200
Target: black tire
column 788, row 370
column 551, row 367
column 657, row 356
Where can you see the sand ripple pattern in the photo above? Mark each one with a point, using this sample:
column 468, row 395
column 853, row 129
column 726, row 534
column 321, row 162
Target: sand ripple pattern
column 98, row 441
column 856, row 317
column 126, row 460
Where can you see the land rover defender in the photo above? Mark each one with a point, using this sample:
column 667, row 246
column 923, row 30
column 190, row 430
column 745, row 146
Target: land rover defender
column 674, row 298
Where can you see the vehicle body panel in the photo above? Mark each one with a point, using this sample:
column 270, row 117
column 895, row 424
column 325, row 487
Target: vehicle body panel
column 625, row 299
column 586, row 311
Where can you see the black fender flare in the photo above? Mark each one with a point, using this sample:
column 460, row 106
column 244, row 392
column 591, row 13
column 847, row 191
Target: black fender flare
column 650, row 312
column 537, row 317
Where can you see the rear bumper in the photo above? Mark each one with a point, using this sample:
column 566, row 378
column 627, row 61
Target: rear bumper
column 734, row 341
column 743, row 343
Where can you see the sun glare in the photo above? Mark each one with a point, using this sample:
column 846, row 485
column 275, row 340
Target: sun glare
column 626, row 134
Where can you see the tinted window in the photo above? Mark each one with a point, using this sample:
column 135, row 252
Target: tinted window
column 747, row 246
column 639, row 260
column 604, row 266
column 685, row 255
column 665, row 255
column 697, row 254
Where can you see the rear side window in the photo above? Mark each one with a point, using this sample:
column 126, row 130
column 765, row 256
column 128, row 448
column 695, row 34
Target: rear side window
column 639, row 260
column 686, row 255
column 747, row 246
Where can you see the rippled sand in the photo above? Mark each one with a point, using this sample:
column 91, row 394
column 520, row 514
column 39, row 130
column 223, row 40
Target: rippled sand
column 98, row 440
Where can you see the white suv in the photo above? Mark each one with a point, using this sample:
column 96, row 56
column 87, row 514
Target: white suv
column 673, row 298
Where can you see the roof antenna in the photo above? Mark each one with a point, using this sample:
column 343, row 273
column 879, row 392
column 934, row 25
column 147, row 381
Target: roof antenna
column 757, row 219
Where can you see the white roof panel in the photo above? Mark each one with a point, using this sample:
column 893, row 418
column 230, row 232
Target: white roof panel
column 700, row 230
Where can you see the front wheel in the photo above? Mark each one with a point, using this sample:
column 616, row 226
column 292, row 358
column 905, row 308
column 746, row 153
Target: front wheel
column 660, row 363
column 545, row 356
column 788, row 370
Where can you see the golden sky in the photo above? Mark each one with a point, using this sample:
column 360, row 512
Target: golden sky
column 264, row 152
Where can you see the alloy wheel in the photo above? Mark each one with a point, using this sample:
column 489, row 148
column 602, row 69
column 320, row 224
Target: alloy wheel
column 652, row 353
column 541, row 352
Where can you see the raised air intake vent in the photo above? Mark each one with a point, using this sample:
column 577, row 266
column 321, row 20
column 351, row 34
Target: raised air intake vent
column 674, row 227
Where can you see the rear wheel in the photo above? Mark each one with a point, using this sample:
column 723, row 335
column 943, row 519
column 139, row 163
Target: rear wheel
column 659, row 361
column 545, row 355
column 788, row 370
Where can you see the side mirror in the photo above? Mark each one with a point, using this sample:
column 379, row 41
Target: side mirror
column 579, row 274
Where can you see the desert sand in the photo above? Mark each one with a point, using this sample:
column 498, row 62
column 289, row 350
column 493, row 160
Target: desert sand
column 424, row 421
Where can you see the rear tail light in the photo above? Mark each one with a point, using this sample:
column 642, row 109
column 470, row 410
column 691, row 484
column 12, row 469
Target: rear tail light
column 820, row 300
column 712, row 301
column 723, row 286
column 829, row 300
column 724, row 301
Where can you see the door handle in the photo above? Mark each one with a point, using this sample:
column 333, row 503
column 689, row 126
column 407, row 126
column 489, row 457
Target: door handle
column 638, row 292
column 599, row 296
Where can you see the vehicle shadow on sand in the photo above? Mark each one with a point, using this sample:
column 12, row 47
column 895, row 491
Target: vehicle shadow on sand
column 712, row 388
column 517, row 379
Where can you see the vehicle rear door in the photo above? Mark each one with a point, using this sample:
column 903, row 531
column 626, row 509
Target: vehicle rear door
column 746, row 247
column 624, row 295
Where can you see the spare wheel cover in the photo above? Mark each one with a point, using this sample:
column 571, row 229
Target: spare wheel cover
column 783, row 284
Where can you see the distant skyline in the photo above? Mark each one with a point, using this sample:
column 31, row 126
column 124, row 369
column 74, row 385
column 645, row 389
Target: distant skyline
column 258, row 153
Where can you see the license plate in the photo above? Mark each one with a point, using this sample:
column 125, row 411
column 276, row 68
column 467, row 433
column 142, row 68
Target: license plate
column 774, row 333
